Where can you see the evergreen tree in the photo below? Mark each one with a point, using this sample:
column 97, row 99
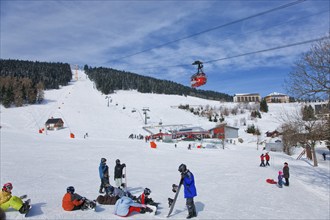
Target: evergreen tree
column 263, row 106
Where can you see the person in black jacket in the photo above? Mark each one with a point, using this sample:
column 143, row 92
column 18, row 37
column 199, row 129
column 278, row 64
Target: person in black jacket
column 286, row 174
column 118, row 177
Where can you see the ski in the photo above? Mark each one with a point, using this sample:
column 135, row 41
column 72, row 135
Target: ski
column 175, row 198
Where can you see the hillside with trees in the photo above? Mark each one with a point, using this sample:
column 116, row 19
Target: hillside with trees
column 23, row 82
column 108, row 80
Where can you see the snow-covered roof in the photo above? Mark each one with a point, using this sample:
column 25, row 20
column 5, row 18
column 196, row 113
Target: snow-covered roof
column 276, row 94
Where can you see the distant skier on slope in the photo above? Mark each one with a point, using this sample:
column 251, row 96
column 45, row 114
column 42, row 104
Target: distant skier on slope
column 119, row 173
column 7, row 200
column 189, row 189
column 72, row 201
column 104, row 174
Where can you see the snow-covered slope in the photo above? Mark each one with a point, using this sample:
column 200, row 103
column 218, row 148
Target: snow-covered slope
column 230, row 183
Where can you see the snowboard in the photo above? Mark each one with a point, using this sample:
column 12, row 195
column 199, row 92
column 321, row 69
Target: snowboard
column 26, row 214
column 125, row 178
column 154, row 209
column 89, row 204
column 177, row 191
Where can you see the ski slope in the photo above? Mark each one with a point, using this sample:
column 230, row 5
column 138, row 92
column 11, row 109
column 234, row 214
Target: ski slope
column 230, row 184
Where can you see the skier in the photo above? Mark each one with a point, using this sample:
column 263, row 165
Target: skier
column 267, row 157
column 119, row 173
column 7, row 200
column 144, row 198
column 190, row 192
column 125, row 206
column 104, row 174
column 286, row 174
column 262, row 158
column 280, row 179
column 72, row 201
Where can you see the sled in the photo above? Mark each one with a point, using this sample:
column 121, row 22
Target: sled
column 271, row 181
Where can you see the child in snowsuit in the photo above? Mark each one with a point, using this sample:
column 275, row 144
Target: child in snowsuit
column 72, row 201
column 190, row 192
column 280, row 179
column 7, row 200
column 262, row 158
column 267, row 157
column 119, row 173
column 125, row 206
column 104, row 174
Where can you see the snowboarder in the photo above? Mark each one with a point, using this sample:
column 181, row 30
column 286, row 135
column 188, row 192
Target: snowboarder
column 280, row 179
column 262, row 158
column 104, row 174
column 189, row 189
column 114, row 191
column 144, row 198
column 286, row 174
column 119, row 173
column 72, row 201
column 7, row 200
column 267, row 157
column 125, row 206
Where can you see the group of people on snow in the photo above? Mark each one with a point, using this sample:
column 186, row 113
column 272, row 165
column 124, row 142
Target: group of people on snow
column 124, row 202
column 264, row 157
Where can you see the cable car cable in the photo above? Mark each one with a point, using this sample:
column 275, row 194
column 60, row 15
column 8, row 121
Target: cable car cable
column 212, row 29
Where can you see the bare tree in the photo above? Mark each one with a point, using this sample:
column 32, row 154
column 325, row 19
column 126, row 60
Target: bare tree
column 310, row 77
column 305, row 132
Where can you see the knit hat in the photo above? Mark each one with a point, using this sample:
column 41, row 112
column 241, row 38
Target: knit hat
column 280, row 173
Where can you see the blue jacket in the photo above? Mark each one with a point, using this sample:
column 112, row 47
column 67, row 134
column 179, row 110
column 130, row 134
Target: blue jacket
column 103, row 170
column 189, row 185
column 122, row 205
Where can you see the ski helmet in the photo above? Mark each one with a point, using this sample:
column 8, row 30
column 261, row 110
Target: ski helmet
column 70, row 189
column 147, row 191
column 111, row 189
column 118, row 161
column 103, row 160
column 182, row 168
column 7, row 187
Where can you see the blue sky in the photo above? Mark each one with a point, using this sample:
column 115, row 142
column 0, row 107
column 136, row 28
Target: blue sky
column 102, row 33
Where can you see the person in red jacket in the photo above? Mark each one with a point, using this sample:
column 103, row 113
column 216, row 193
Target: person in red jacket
column 72, row 201
column 144, row 198
column 262, row 158
column 267, row 157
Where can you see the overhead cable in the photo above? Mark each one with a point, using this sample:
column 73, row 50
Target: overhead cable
column 212, row 29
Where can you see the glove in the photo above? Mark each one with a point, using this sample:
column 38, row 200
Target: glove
column 83, row 198
column 123, row 176
column 124, row 165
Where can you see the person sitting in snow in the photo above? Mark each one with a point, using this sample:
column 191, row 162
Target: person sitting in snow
column 72, row 201
column 144, row 198
column 262, row 158
column 114, row 191
column 125, row 206
column 7, row 200
column 280, row 179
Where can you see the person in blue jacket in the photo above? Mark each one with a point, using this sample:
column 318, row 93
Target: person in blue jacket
column 188, row 181
column 104, row 174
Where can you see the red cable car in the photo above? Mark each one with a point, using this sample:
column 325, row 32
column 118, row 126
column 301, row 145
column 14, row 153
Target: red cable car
column 199, row 78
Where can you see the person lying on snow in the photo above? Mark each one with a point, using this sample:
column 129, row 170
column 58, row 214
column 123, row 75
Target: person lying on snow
column 72, row 201
column 114, row 191
column 107, row 199
column 125, row 206
column 144, row 198
column 7, row 200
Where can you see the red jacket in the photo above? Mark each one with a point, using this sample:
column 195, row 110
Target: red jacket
column 262, row 157
column 69, row 201
column 267, row 157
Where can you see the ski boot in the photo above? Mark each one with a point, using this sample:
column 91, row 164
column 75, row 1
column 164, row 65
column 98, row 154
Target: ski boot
column 25, row 207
